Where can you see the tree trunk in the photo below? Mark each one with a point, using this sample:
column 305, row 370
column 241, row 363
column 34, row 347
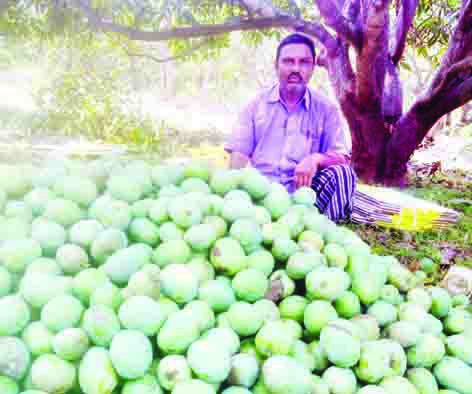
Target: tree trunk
column 373, row 159
column 387, row 150
column 369, row 144
column 406, row 136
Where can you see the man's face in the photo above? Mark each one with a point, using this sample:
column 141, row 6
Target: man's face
column 295, row 67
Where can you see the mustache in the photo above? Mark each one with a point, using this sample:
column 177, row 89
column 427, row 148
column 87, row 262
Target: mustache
column 295, row 75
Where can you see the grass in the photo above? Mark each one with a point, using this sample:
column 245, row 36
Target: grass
column 445, row 247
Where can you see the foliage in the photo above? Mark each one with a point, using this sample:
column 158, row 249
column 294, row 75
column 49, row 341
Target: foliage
column 87, row 107
column 433, row 26
column 88, row 96
column 45, row 19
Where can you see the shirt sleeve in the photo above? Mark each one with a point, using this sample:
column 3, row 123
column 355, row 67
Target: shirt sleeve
column 242, row 139
column 335, row 136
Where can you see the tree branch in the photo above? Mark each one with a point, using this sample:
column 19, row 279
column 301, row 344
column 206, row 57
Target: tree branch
column 343, row 80
column 260, row 7
column 452, row 92
column 352, row 11
column 243, row 5
column 460, row 45
column 448, row 77
column 98, row 23
column 334, row 56
column 371, row 61
column 341, row 73
column 411, row 129
column 293, row 7
column 347, row 29
column 405, row 17
column 438, row 106
column 317, row 31
column 392, row 107
column 458, row 96
column 450, row 89
column 170, row 58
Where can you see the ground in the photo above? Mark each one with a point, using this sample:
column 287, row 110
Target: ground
column 451, row 189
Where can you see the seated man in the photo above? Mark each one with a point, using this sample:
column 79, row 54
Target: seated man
column 295, row 136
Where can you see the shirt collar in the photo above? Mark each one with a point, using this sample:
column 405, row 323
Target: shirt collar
column 274, row 96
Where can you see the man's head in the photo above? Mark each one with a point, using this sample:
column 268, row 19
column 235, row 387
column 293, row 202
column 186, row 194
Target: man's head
column 295, row 62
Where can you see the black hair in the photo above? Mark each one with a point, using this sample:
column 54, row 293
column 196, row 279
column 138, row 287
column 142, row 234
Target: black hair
column 296, row 38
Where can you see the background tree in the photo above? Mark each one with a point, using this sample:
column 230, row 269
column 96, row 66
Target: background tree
column 362, row 41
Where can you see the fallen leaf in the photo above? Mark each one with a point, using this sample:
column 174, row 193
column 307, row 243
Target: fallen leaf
column 415, row 266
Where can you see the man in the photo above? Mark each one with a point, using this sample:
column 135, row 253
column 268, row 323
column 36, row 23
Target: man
column 295, row 136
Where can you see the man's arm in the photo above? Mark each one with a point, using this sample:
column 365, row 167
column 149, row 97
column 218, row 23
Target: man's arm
column 334, row 149
column 242, row 141
column 308, row 167
column 336, row 142
column 328, row 159
column 238, row 160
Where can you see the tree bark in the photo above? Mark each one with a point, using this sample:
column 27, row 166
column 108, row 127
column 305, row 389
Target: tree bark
column 371, row 61
column 370, row 135
column 405, row 15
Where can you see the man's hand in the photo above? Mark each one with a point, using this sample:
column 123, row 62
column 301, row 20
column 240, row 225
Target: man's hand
column 238, row 160
column 306, row 170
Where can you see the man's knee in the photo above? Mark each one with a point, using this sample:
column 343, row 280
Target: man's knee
column 339, row 172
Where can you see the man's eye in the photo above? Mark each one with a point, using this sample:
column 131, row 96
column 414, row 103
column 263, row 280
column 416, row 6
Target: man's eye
column 288, row 61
